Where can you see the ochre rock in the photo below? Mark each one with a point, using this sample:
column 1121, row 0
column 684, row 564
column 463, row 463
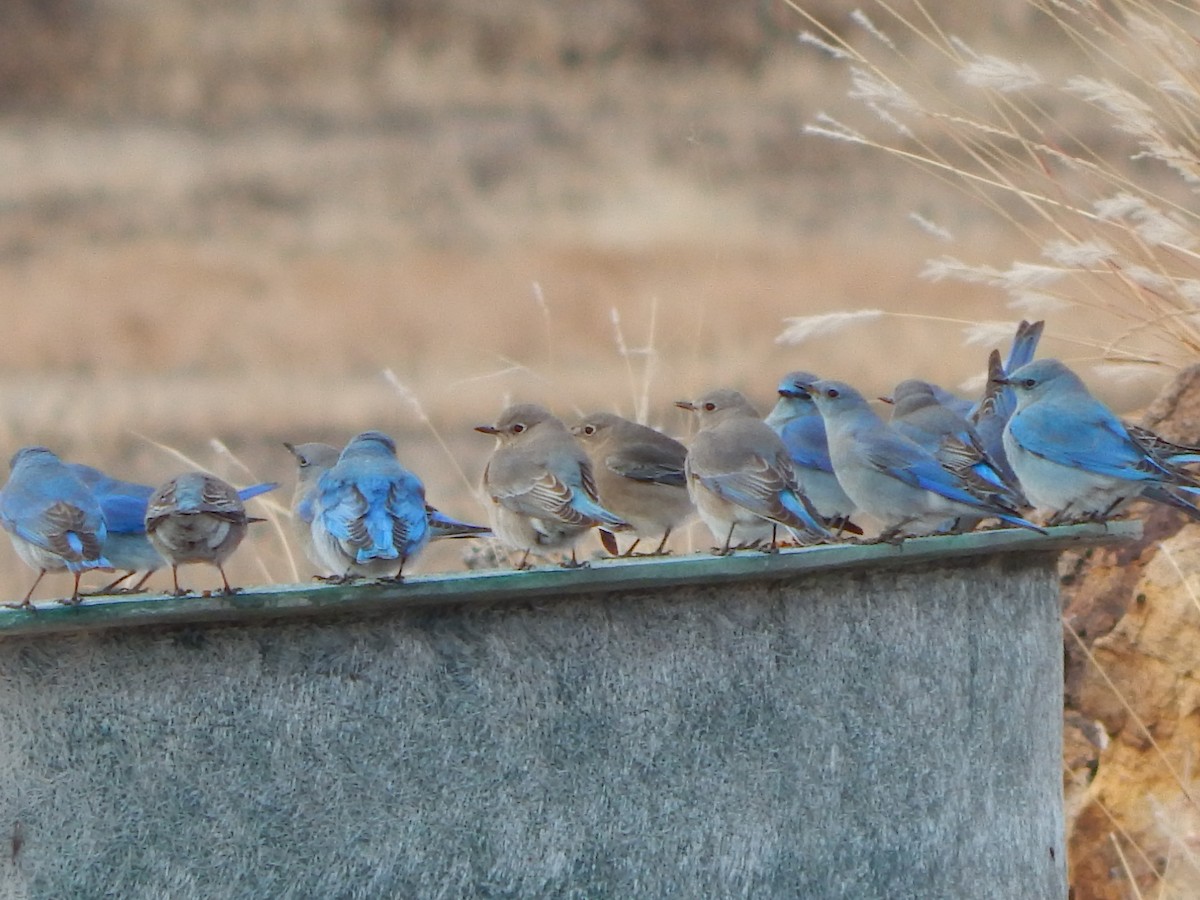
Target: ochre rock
column 1132, row 720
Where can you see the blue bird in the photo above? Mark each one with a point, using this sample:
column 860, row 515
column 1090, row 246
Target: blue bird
column 918, row 416
column 55, row 522
column 741, row 479
column 992, row 412
column 541, row 484
column 313, row 460
column 1075, row 459
column 124, row 504
column 369, row 512
column 894, row 479
column 798, row 423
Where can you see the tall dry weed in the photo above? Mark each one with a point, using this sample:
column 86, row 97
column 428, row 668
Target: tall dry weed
column 1091, row 157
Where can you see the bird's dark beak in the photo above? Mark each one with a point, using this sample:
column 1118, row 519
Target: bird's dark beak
column 291, row 449
column 686, row 404
column 888, row 400
column 487, row 429
column 796, row 394
column 1001, row 381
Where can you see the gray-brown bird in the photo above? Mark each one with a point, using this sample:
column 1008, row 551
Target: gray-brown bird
column 196, row 518
column 540, row 483
column 741, row 478
column 639, row 476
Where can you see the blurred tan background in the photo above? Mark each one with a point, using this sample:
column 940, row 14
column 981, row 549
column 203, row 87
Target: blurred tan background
column 224, row 220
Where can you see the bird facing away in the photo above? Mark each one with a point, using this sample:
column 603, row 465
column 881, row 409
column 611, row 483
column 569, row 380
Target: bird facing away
column 369, row 515
column 312, row 461
column 740, row 477
column 54, row 521
column 541, row 485
column 797, row 421
column 124, row 504
column 639, row 475
column 196, row 518
column 1075, row 459
column 894, row 479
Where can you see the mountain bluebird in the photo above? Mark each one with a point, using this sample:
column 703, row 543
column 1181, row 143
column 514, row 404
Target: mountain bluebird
column 639, row 475
column 918, row 416
column 124, row 504
column 312, row 461
column 541, row 484
column 54, row 521
column 1076, row 459
column 796, row 420
column 740, row 476
column 196, row 518
column 992, row 413
column 368, row 512
column 894, row 479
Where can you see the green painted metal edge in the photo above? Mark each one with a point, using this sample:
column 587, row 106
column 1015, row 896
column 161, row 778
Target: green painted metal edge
column 485, row 587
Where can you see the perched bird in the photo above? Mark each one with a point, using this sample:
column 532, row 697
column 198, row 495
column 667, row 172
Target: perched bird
column 1075, row 458
column 992, row 412
column 894, row 479
column 124, row 504
column 797, row 421
column 196, row 518
column 312, row 461
column 918, row 416
column 368, row 513
column 541, row 484
column 639, row 475
column 740, row 476
column 54, row 521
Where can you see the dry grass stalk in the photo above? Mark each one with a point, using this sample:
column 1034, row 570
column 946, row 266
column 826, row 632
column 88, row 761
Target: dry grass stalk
column 1112, row 220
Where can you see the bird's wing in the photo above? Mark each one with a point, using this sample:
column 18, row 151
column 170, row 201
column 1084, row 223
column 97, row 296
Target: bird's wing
column 807, row 444
column 767, row 488
column 1086, row 437
column 646, row 462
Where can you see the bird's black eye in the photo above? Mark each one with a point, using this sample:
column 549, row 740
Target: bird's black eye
column 832, row 393
column 589, row 429
column 517, row 428
column 1028, row 383
column 709, row 407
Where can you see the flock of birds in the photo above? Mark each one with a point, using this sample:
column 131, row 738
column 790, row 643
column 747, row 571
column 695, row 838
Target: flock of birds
column 1037, row 441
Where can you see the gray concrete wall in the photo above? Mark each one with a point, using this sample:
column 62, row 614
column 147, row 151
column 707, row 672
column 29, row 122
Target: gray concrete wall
column 887, row 732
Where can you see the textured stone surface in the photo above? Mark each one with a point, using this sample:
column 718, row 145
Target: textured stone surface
column 887, row 733
column 1133, row 695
